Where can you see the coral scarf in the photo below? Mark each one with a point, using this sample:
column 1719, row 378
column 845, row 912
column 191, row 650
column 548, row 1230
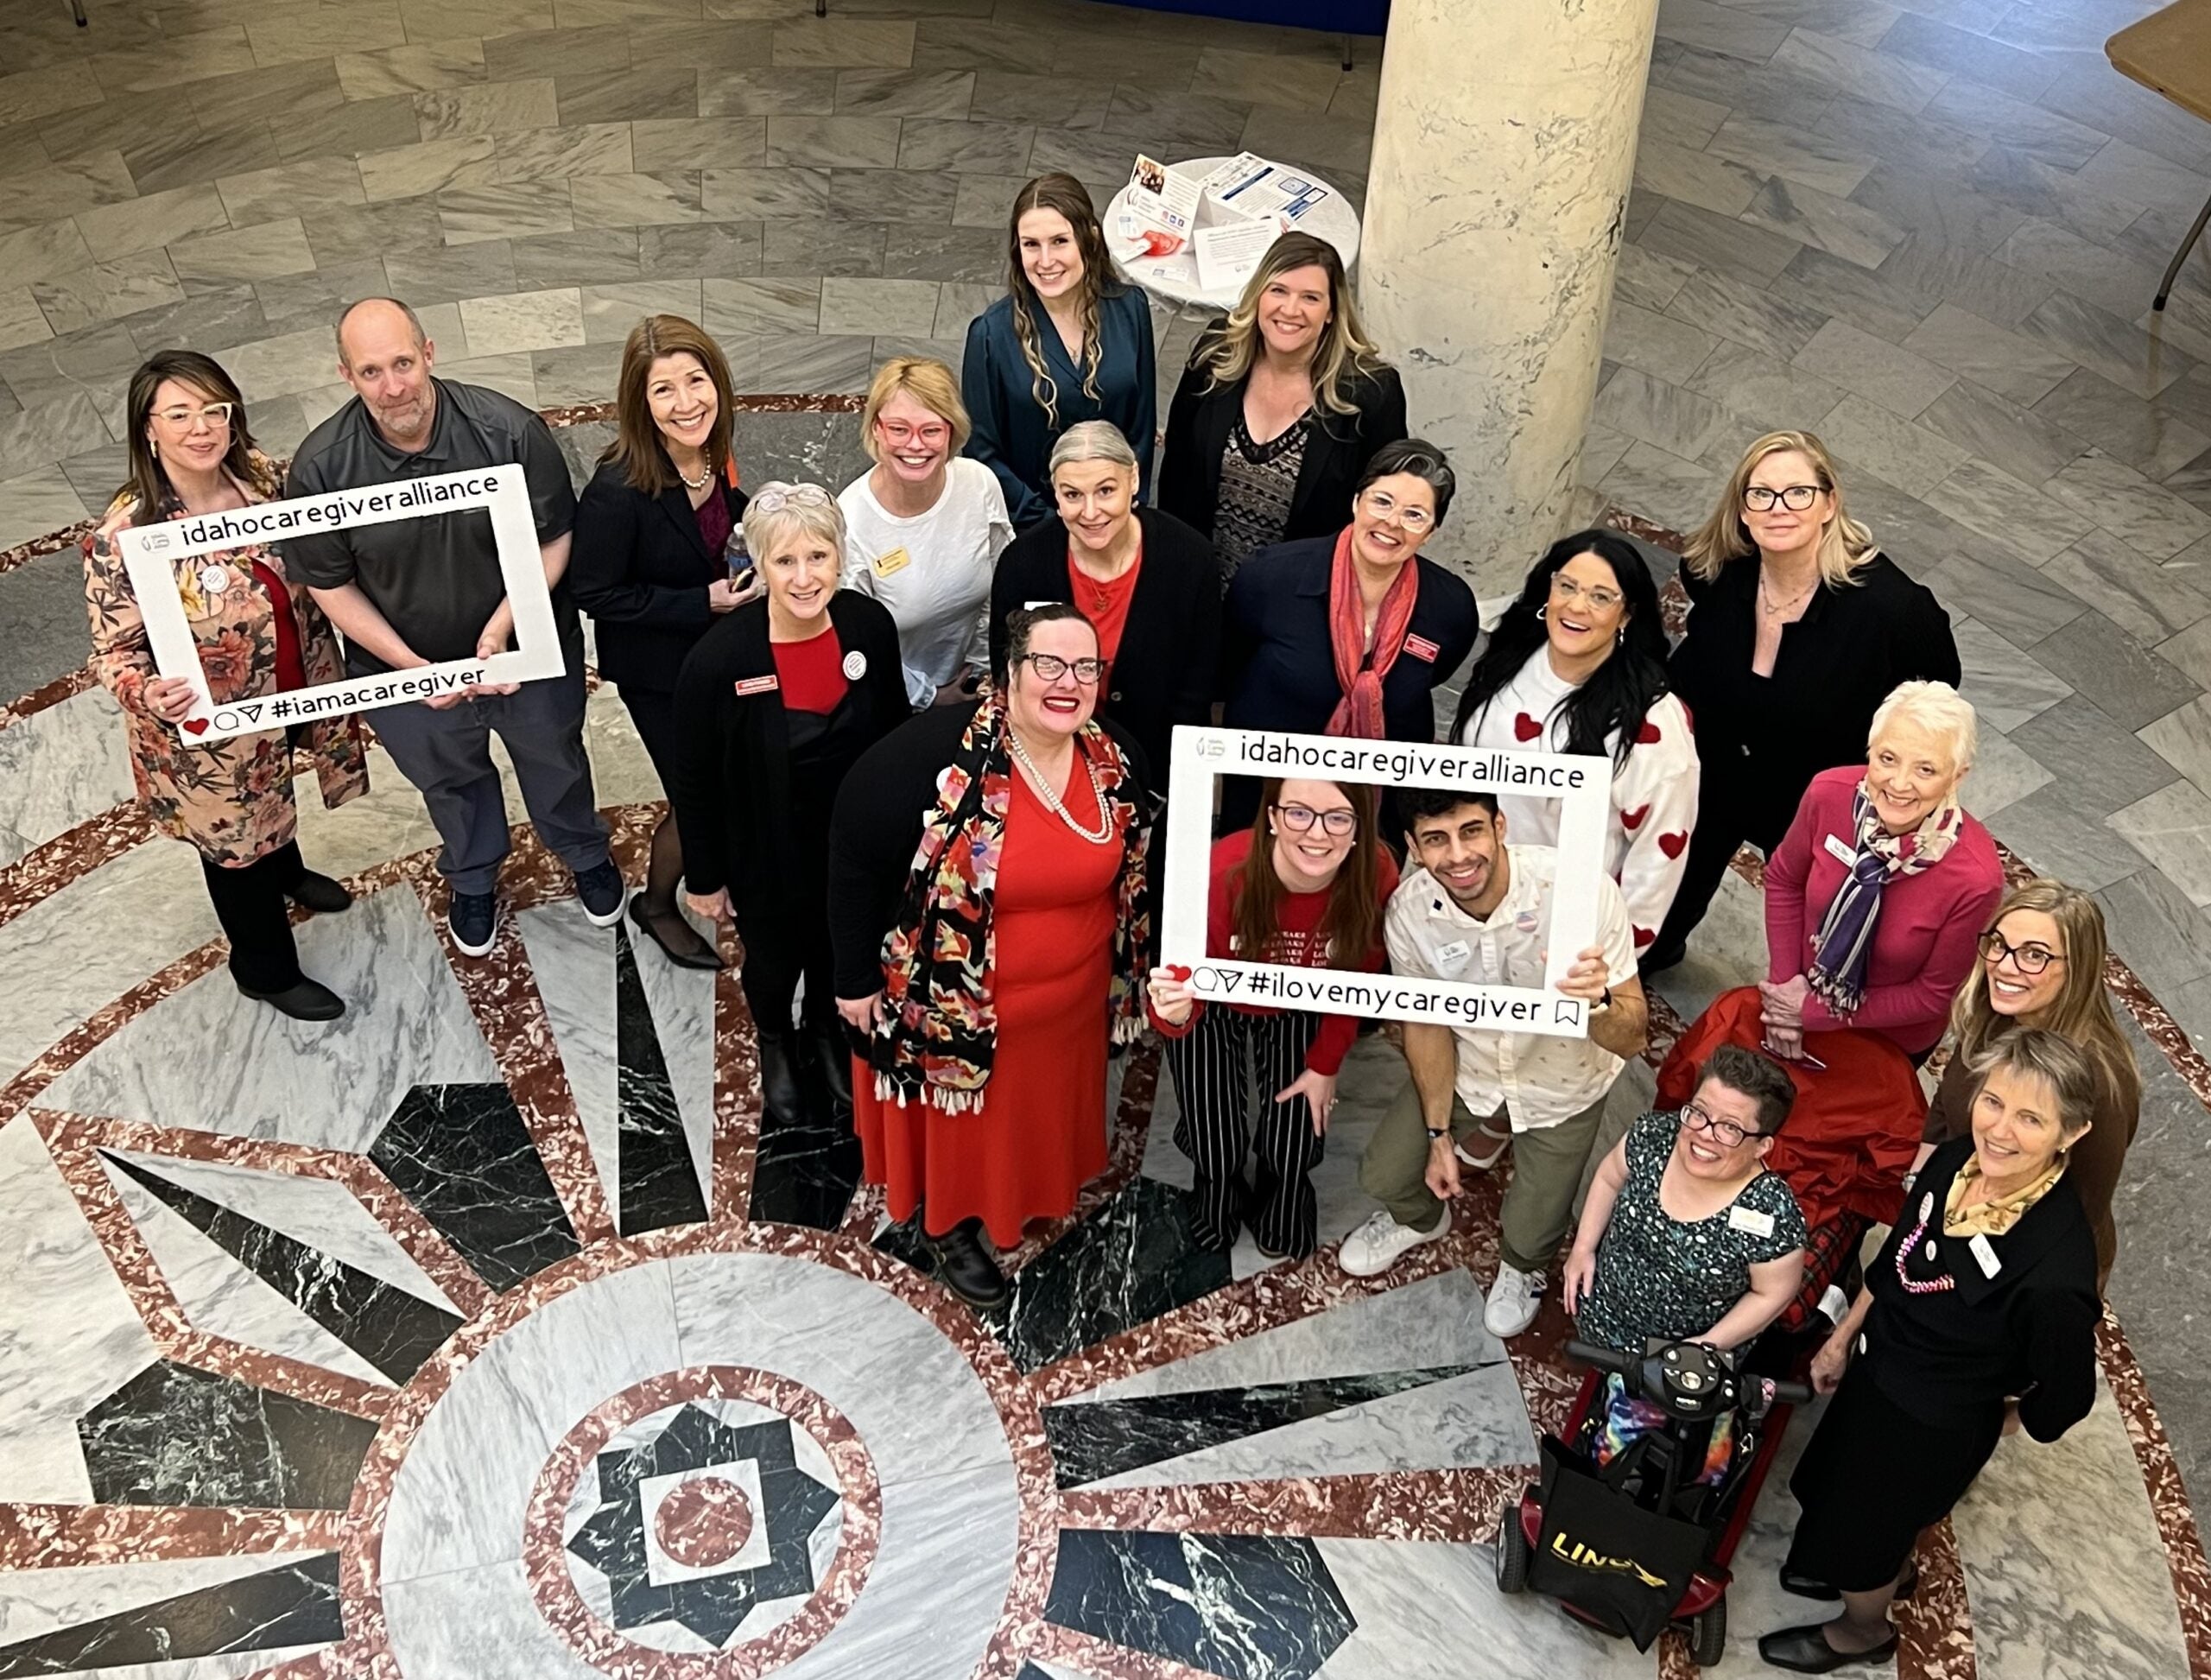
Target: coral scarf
column 1359, row 674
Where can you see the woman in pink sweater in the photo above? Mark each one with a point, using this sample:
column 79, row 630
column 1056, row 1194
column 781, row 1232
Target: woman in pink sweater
column 1876, row 898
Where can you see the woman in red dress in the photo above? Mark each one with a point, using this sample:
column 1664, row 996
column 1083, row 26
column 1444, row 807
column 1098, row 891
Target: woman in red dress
column 986, row 887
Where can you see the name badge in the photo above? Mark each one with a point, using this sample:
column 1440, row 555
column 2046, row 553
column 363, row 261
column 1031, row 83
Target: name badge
column 890, row 565
column 1421, row 648
column 1455, row 954
column 1984, row 1254
column 758, row 685
column 1845, row 855
column 1749, row 1219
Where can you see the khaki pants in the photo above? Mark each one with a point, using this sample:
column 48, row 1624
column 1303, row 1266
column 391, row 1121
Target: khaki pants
column 1547, row 1175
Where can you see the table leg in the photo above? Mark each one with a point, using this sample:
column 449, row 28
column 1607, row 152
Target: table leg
column 2166, row 286
column 77, row 12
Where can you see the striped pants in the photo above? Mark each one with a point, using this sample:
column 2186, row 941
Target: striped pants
column 1216, row 1066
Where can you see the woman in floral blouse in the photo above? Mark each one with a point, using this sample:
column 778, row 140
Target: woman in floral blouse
column 258, row 634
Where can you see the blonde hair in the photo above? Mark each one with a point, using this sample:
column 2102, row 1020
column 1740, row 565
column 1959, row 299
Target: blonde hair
column 638, row 448
column 2082, row 1013
column 929, row 383
column 1844, row 545
column 2043, row 1055
column 1937, row 708
column 1343, row 352
column 776, row 508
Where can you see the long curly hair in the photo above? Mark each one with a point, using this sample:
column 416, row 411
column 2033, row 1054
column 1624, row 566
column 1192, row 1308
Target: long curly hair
column 1071, row 199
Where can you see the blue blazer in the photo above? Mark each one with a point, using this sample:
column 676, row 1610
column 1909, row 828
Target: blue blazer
column 1278, row 670
column 1011, row 436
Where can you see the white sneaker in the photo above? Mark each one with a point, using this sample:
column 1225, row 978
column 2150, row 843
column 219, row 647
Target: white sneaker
column 1381, row 1242
column 1514, row 1299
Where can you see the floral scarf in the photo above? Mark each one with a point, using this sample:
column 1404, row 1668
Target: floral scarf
column 1837, row 975
column 940, row 1026
column 1993, row 1218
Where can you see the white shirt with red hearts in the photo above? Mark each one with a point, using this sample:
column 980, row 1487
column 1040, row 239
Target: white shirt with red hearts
column 1654, row 794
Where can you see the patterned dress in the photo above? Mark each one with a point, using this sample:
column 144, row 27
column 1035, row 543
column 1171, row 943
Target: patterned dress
column 1258, row 483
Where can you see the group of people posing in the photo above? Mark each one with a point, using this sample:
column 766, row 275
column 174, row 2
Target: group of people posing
column 914, row 734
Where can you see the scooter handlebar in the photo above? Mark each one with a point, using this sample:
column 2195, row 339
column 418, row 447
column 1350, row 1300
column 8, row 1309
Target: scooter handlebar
column 1605, row 1359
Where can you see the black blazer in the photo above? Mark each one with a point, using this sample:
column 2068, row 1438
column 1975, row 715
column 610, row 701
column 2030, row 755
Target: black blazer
column 731, row 792
column 638, row 566
column 1199, row 421
column 1950, row 1358
column 1164, row 673
column 877, row 829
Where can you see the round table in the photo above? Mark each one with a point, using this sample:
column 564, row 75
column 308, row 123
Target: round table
column 1175, row 279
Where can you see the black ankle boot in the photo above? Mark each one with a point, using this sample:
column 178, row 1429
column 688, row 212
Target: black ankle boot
column 966, row 1266
column 782, row 1102
column 832, row 1054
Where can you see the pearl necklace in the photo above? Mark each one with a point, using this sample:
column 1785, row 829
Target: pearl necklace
column 1104, row 831
column 705, row 478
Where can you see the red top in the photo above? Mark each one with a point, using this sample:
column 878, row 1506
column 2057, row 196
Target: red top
column 291, row 670
column 812, row 672
column 1297, row 944
column 1106, row 605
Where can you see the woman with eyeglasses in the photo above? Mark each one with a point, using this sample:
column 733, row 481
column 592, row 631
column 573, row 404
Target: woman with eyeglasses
column 1350, row 634
column 1578, row 664
column 2041, row 966
column 1978, row 1318
column 987, row 887
column 256, row 633
column 1144, row 579
column 773, row 705
column 924, row 528
column 1799, row 627
column 1306, row 885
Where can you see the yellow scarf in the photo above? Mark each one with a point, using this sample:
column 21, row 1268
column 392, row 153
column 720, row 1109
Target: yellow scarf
column 1994, row 1217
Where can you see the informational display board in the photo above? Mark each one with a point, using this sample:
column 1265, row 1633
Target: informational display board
column 1581, row 784
column 153, row 554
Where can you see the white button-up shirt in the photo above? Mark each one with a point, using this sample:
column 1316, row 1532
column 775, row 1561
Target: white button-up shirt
column 1538, row 1079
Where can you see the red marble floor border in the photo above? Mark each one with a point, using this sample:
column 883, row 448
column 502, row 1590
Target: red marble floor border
column 47, row 693
column 71, row 855
column 1934, row 1625
column 1106, row 1661
column 737, row 1095
column 546, row 1560
column 2168, row 1503
column 67, row 1537
column 1460, row 1505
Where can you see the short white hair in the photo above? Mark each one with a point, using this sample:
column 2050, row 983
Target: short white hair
column 1937, row 708
column 777, row 509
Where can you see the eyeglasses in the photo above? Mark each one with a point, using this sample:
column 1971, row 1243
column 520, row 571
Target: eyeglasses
column 1727, row 1133
column 1051, row 668
column 1382, row 505
column 2028, row 959
column 930, row 433
column 215, row 414
column 1760, row 498
column 1339, row 824
column 1600, row 599
column 776, row 495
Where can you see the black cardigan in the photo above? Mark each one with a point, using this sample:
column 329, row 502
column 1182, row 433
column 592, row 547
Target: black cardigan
column 1198, row 424
column 731, row 792
column 877, row 829
column 638, row 566
column 1951, row 1358
column 1761, row 740
column 1164, row 673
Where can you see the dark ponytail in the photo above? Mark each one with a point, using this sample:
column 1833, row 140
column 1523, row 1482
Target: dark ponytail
column 1620, row 692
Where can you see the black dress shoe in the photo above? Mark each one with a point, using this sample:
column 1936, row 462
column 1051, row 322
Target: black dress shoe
column 319, row 893
column 305, row 1000
column 965, row 1266
column 1806, row 1586
column 832, row 1055
column 679, row 942
column 781, row 1101
column 1806, row 1651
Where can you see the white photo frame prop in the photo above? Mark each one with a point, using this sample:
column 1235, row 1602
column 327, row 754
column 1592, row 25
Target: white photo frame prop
column 1581, row 784
column 150, row 554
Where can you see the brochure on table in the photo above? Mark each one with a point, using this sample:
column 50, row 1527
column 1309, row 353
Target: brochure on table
column 1174, row 225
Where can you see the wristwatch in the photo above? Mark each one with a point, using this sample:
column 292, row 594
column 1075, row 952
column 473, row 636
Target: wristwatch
column 1437, row 1134
column 1603, row 1002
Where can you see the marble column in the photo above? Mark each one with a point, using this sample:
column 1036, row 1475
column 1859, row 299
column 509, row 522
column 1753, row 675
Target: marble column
column 1496, row 202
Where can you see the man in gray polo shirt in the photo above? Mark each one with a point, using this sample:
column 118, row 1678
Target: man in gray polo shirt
column 415, row 592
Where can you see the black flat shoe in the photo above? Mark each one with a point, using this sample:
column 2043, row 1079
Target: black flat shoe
column 966, row 1268
column 1805, row 1586
column 1806, row 1651
column 319, row 893
column 308, row 1000
column 679, row 942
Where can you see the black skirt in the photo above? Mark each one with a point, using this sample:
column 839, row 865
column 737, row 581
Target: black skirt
column 1872, row 1477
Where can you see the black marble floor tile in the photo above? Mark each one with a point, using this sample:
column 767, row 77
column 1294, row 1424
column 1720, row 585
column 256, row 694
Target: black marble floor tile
column 394, row 1331
column 806, row 1174
column 1245, row 1606
column 296, row 1605
column 659, row 1183
column 1097, row 1439
column 176, row 1435
column 461, row 1154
